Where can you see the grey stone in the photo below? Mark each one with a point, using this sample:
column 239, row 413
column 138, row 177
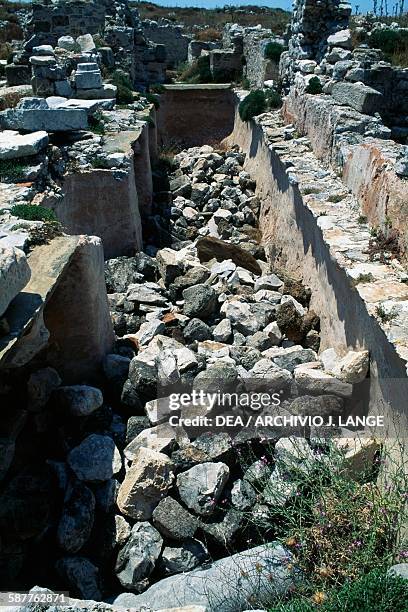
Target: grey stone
column 67, row 43
column 95, row 459
column 150, row 329
column 14, row 275
column 260, row 341
column 48, row 119
column 268, row 375
column 86, row 43
column 223, row 331
column 183, row 557
column 174, row 521
column 13, row 145
column 200, row 486
column 77, row 518
column 218, row 376
column 199, row 301
column 362, row 98
column 79, row 400
column 269, row 281
column 196, row 330
column 243, row 495
column 247, row 578
column 81, row 575
column 137, row 559
column 40, row 386
column 400, row 569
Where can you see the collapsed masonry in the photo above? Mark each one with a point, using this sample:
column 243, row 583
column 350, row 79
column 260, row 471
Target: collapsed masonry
column 118, row 27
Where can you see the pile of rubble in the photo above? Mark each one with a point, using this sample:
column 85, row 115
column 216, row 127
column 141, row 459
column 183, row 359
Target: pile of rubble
column 141, row 501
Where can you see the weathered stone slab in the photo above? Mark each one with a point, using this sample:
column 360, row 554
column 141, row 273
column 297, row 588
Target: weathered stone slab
column 256, row 576
column 48, row 119
column 14, row 275
column 14, row 145
column 362, row 98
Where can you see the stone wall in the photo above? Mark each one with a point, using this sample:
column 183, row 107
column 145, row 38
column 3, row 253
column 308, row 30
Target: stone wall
column 192, row 115
column 258, row 68
column 307, row 237
column 50, row 20
column 172, row 36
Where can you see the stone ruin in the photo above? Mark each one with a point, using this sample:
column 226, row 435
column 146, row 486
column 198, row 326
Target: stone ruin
column 172, row 36
column 118, row 27
column 99, row 491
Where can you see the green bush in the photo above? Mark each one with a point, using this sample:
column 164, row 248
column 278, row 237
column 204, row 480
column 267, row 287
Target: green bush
column 273, row 51
column 12, row 170
column 124, row 94
column 157, row 88
column 273, row 99
column 394, row 43
column 314, row 86
column 153, row 99
column 254, row 104
column 374, row 592
column 30, row 212
column 198, row 71
column 96, row 124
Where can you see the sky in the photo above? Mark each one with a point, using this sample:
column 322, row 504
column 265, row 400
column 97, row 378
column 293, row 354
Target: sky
column 365, row 5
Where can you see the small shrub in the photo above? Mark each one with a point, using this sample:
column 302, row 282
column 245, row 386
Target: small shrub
column 314, row 86
column 273, row 51
column 273, row 99
column 124, row 94
column 383, row 246
column 198, row 71
column 153, row 99
column 254, row 104
column 96, row 124
column 42, row 235
column 245, row 84
column 375, row 592
column 30, row 212
column 12, row 170
column 384, row 315
column 157, row 88
column 208, row 35
column 393, row 43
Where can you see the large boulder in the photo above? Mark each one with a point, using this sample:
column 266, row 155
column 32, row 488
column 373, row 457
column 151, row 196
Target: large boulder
column 358, row 96
column 256, row 577
column 14, row 145
column 148, row 480
column 201, row 486
column 138, row 557
column 213, row 248
column 14, row 275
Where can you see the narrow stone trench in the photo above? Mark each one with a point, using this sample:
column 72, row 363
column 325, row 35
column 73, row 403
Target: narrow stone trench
column 119, row 496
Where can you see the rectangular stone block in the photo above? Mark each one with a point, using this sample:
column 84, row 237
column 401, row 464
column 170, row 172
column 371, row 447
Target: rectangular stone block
column 88, row 80
column 50, row 120
column 362, row 98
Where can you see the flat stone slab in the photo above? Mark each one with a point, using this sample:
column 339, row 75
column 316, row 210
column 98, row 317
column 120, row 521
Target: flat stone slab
column 362, row 98
column 48, row 119
column 255, row 576
column 47, row 264
column 14, row 145
column 14, row 275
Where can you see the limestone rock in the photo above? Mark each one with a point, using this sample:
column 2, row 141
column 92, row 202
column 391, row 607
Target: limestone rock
column 236, row 575
column 183, row 557
column 200, row 486
column 148, row 480
column 137, row 559
column 313, row 380
column 353, row 367
column 14, row 275
column 14, row 145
